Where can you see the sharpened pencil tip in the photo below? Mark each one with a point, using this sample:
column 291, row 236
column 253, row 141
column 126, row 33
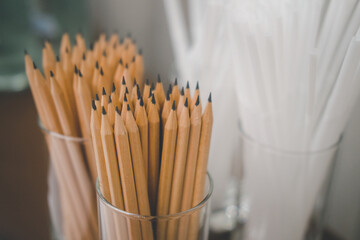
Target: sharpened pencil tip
column 197, row 101
column 91, row 46
column 150, row 93
column 147, row 82
column 84, row 56
column 110, row 100
column 57, row 58
column 141, row 102
column 135, row 82
column 101, row 72
column 133, row 59
column 93, row 104
column 170, row 88
column 175, row 83
column 167, row 96
column 104, row 53
column 182, row 91
column 103, row 91
column 75, row 69
column 140, row 51
column 138, row 93
column 209, row 99
column 121, row 61
column 113, row 87
column 173, row 106
column 123, row 81
column 126, row 66
column 158, row 78
column 96, row 97
column 103, row 111
column 80, row 74
column 117, row 110
column 34, row 65
column 187, row 85
column 152, row 86
column 197, row 85
column 51, row 74
column 153, row 99
column 125, row 98
column 186, row 103
column 66, row 50
column 128, row 107
column 97, row 65
column 25, row 52
column 126, row 90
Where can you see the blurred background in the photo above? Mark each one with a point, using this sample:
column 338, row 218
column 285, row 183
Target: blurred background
column 24, row 24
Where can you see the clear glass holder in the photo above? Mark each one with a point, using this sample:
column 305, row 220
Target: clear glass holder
column 118, row 224
column 276, row 194
column 71, row 195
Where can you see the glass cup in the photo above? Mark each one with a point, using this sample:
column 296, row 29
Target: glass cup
column 190, row 224
column 71, row 196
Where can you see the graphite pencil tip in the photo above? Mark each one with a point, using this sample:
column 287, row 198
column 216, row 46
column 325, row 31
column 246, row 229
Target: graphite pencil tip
column 126, row 66
column 158, row 78
column 140, row 51
column 153, row 99
column 80, row 74
column 197, row 85
column 91, row 46
column 147, row 82
column 128, row 107
column 135, row 82
column 103, row 91
column 113, row 87
column 175, row 83
column 96, row 97
column 93, row 104
column 75, row 69
column 25, row 52
column 133, row 59
column 126, row 90
column 125, row 98
column 104, row 53
column 152, row 86
column 121, row 61
column 110, row 100
column 117, row 110
column 187, row 85
column 141, row 102
column 186, row 103
column 123, row 81
column 34, row 65
column 173, row 105
column 97, row 65
column 182, row 91
column 197, row 101
column 167, row 96
column 170, row 88
column 57, row 58
column 209, row 99
column 51, row 74
column 138, row 92
column 103, row 110
column 101, row 72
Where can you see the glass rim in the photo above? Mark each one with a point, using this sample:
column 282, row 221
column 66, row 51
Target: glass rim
column 59, row 135
column 168, row 216
column 250, row 139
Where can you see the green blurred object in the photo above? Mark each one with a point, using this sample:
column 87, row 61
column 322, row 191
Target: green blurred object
column 24, row 24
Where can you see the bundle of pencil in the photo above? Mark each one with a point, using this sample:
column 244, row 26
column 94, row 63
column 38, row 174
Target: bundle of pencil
column 149, row 148
column 62, row 95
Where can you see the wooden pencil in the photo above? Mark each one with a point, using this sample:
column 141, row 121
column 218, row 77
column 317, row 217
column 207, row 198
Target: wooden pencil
column 126, row 173
column 166, row 170
column 139, row 173
column 179, row 169
column 191, row 160
column 201, row 167
column 154, row 154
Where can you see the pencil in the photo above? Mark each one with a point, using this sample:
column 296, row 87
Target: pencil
column 139, row 173
column 166, row 170
column 179, row 169
column 201, row 167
